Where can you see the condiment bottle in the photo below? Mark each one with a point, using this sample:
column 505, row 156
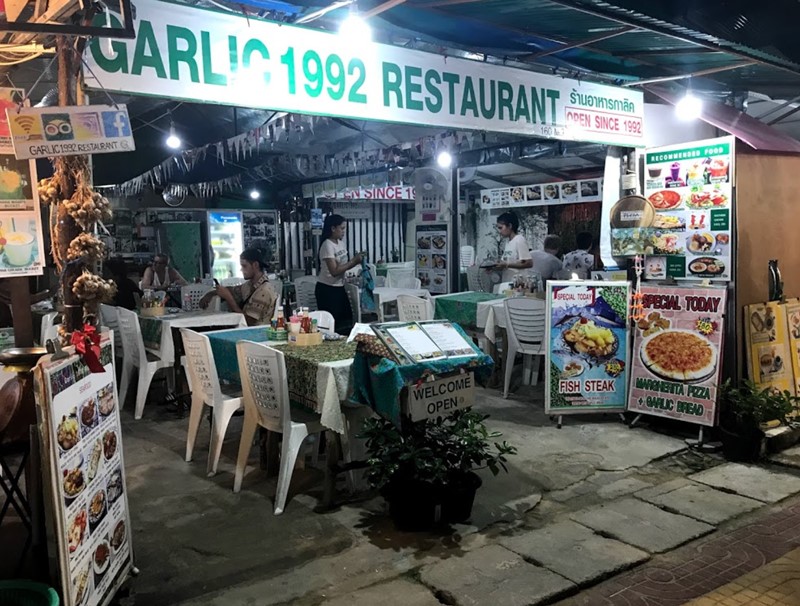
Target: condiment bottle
column 281, row 322
column 314, row 325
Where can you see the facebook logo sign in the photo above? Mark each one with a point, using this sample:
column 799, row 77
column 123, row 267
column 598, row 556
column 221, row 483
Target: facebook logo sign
column 116, row 124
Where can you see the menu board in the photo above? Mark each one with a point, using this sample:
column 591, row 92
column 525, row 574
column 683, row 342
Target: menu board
column 413, row 342
column 793, row 329
column 82, row 451
column 677, row 353
column 586, row 343
column 21, row 243
column 690, row 188
column 433, row 257
column 768, row 358
column 541, row 194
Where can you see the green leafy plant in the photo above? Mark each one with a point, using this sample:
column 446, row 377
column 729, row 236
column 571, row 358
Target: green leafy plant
column 748, row 406
column 434, row 451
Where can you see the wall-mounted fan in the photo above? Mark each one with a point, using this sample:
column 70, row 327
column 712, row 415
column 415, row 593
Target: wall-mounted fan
column 432, row 189
column 174, row 195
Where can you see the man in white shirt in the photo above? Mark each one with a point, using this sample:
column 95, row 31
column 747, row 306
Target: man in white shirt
column 580, row 261
column 517, row 256
column 545, row 262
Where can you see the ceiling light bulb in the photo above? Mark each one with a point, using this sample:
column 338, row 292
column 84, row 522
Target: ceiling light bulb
column 355, row 29
column 444, row 159
column 173, row 140
column 254, row 194
column 689, row 107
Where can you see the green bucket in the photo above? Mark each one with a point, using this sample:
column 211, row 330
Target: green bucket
column 27, row 593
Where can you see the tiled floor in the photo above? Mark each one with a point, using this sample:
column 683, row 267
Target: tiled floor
column 703, row 567
column 775, row 584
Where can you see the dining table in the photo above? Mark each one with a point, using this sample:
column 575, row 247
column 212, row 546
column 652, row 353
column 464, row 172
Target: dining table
column 462, row 307
column 159, row 332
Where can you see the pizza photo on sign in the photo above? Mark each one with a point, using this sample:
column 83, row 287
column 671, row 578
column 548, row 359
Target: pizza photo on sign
column 679, row 355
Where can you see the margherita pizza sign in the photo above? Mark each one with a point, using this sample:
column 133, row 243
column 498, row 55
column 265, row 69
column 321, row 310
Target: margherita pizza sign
column 677, row 353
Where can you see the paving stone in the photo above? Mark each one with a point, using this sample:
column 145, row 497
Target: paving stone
column 493, row 575
column 642, row 525
column 789, row 457
column 622, row 487
column 750, row 481
column 575, row 552
column 704, row 503
column 659, row 489
column 399, row 591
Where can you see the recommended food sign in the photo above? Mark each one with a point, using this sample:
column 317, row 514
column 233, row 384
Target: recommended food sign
column 568, row 192
column 183, row 52
column 768, row 355
column 44, row 132
column 82, row 438
column 587, row 346
column 688, row 232
column 677, row 353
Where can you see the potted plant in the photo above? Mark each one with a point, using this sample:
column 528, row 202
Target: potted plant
column 426, row 470
column 745, row 412
column 395, row 255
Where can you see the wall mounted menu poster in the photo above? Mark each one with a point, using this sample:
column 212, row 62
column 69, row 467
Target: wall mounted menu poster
column 414, row 342
column 542, row 194
column 691, row 189
column 768, row 358
column 677, row 353
column 82, row 453
column 432, row 258
column 586, row 344
column 793, row 328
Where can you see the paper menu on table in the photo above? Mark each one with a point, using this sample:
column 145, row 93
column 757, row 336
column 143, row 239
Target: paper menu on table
column 448, row 339
column 415, row 342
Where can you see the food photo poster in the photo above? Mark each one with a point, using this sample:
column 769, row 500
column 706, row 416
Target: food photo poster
column 768, row 356
column 82, row 450
column 677, row 353
column 686, row 231
column 586, row 345
column 432, row 258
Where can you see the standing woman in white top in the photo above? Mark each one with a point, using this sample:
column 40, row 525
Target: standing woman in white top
column 333, row 263
column 517, row 256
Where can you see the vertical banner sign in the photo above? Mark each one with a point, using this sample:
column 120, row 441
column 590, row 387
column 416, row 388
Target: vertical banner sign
column 793, row 328
column 768, row 358
column 21, row 243
column 432, row 258
column 587, row 346
column 82, row 453
column 194, row 54
column 687, row 233
column 677, row 353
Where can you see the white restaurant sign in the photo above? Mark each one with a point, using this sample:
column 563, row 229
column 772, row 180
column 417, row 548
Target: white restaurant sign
column 197, row 54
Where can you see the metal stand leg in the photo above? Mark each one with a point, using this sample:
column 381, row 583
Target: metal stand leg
column 560, row 419
column 698, row 442
column 635, row 421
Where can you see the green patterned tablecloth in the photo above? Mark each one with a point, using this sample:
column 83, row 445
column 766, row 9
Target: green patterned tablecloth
column 461, row 308
column 151, row 331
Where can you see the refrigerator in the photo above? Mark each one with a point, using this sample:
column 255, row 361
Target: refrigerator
column 226, row 243
column 181, row 241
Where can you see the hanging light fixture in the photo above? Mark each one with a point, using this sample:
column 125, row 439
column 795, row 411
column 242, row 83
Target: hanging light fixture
column 255, row 194
column 354, row 29
column 444, row 159
column 173, row 141
column 689, row 107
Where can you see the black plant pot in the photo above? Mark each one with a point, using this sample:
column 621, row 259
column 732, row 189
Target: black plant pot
column 414, row 505
column 744, row 444
column 460, row 496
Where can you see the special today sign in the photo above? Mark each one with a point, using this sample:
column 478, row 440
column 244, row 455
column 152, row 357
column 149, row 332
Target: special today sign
column 196, row 54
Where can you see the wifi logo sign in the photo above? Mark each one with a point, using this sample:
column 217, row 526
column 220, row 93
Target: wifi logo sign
column 28, row 125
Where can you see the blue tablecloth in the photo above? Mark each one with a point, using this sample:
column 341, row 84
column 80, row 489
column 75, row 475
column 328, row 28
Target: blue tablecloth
column 223, row 345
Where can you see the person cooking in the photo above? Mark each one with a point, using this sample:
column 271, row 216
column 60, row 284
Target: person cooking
column 160, row 276
column 333, row 264
column 255, row 298
column 517, row 256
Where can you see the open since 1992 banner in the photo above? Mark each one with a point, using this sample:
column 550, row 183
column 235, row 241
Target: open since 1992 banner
column 677, row 353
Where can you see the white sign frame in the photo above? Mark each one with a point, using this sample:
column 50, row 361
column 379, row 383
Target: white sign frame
column 427, row 400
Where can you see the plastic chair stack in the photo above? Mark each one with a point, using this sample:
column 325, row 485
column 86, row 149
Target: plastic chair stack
column 526, row 334
column 207, row 391
column 304, row 288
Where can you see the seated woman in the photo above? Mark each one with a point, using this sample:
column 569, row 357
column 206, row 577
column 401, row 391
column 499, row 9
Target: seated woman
column 161, row 276
column 255, row 298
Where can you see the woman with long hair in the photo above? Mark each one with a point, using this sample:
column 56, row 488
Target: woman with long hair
column 333, row 264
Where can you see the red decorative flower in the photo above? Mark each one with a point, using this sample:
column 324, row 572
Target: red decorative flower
column 87, row 345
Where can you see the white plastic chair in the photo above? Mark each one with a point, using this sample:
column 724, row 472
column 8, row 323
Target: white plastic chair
column 526, row 332
column 304, row 288
column 355, row 302
column 229, row 282
column 206, row 391
column 499, row 289
column 136, row 356
column 325, row 321
column 408, row 282
column 397, row 276
column 108, row 313
column 47, row 322
column 413, row 309
column 51, row 334
column 265, row 393
column 467, row 257
column 194, row 292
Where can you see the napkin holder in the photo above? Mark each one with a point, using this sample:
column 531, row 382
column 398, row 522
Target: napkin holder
column 304, row 339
